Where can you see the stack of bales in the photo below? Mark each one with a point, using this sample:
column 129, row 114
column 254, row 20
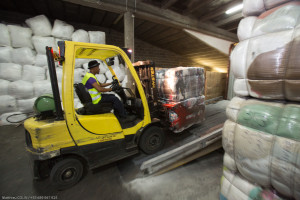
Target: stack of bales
column 181, row 91
column 261, row 137
column 23, row 63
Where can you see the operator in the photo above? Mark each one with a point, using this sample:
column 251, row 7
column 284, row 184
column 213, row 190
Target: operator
column 95, row 89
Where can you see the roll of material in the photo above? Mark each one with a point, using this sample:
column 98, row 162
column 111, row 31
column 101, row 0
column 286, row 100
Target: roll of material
column 20, row 36
column 256, row 7
column 40, row 25
column 263, row 139
column 4, row 35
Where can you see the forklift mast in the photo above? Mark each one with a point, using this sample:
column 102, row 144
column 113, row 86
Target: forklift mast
column 146, row 73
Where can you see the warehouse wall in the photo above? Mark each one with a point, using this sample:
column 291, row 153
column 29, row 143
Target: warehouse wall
column 215, row 84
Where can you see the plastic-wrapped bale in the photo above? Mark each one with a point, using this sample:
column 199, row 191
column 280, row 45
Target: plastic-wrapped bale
column 236, row 187
column 59, row 73
column 79, row 62
column 97, row 37
column 4, row 35
column 42, row 87
column 20, row 36
column 40, row 43
column 7, row 104
column 119, row 71
column 180, row 83
column 12, row 118
column 26, row 105
column 33, row 73
column 78, row 75
column 263, row 139
column 23, row 56
column 4, row 87
column 101, row 78
column 281, row 18
column 81, row 36
column 41, row 60
column 6, row 54
column 40, row 25
column 21, row 89
column 181, row 115
column 269, row 63
column 62, row 30
column 256, row 7
column 10, row 71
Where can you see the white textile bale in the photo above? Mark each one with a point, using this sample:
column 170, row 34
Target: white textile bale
column 42, row 87
column 23, row 56
column 234, row 107
column 4, row 87
column 21, row 89
column 62, row 30
column 40, row 43
column 229, row 162
column 10, row 71
column 4, row 35
column 40, row 25
column 12, row 118
column 59, row 73
column 97, row 37
column 238, row 59
column 26, row 105
column 253, row 154
column 101, row 78
column 77, row 103
column 228, row 137
column 33, row 73
column 240, row 87
column 108, row 75
column 245, row 28
column 7, row 104
column 253, row 7
column 80, row 61
column 41, row 60
column 120, row 72
column 20, row 36
column 80, row 36
column 6, row 54
column 78, row 75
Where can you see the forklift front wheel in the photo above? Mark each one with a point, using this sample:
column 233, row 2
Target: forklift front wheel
column 66, row 173
column 152, row 140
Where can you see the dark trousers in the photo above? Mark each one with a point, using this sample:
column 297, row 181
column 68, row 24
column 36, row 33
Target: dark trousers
column 117, row 104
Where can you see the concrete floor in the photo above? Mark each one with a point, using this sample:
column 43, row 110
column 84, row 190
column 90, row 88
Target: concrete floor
column 199, row 179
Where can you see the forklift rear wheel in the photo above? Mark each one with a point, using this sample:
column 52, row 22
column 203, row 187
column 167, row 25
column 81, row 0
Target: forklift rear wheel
column 66, row 173
column 152, row 140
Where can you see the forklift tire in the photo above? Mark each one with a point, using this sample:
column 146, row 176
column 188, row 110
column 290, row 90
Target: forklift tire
column 152, row 140
column 66, row 173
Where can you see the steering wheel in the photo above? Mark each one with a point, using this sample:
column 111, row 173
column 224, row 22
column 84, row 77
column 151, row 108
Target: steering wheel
column 120, row 90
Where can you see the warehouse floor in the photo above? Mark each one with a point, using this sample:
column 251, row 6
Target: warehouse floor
column 199, row 179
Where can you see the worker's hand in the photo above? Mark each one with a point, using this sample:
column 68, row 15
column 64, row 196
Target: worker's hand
column 115, row 87
column 115, row 82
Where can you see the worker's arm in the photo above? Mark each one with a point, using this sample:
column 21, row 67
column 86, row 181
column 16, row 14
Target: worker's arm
column 101, row 89
column 104, row 84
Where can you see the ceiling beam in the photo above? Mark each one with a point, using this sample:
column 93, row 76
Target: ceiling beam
column 229, row 19
column 167, row 3
column 157, row 15
column 220, row 10
column 193, row 6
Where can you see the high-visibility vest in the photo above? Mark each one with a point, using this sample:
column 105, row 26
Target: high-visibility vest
column 96, row 96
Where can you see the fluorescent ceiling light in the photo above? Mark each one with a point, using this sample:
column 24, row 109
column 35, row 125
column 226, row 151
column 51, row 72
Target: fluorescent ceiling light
column 234, row 9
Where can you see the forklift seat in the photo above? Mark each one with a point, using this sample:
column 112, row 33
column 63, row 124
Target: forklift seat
column 88, row 107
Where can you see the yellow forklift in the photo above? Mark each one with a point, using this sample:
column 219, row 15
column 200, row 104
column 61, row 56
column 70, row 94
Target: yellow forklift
column 64, row 142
